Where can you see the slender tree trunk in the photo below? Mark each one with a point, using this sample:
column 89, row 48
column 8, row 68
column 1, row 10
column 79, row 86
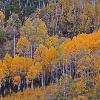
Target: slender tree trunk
column 19, row 87
column 14, row 44
column 63, row 69
column 43, row 4
column 32, row 85
column 66, row 72
column 39, row 4
column 31, row 52
column 42, row 80
column 96, row 10
column 70, row 71
column 57, row 74
column 27, row 2
column 84, row 74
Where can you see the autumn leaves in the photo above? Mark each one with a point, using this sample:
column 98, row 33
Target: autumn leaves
column 46, row 54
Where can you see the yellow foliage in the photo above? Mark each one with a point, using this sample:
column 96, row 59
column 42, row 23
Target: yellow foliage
column 34, row 94
column 2, row 73
column 7, row 60
column 19, row 64
column 2, row 16
column 40, row 55
column 27, row 28
column 52, row 53
column 7, row 63
column 87, row 42
column 51, row 41
column 98, row 81
column 23, row 44
column 41, row 29
column 34, row 70
column 0, row 63
column 44, row 56
column 82, row 98
column 79, row 86
column 17, row 79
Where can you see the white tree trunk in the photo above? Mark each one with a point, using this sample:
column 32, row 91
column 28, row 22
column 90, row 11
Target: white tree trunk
column 32, row 84
column 14, row 44
column 42, row 80
column 43, row 4
column 62, row 11
column 39, row 5
column 44, row 77
column 27, row 2
column 63, row 70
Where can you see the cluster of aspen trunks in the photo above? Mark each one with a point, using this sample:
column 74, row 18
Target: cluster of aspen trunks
column 8, row 86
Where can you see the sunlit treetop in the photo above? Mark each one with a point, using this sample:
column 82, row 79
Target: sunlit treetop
column 51, row 41
column 34, row 30
column 41, row 27
column 27, row 29
column 34, row 70
column 1, row 69
column 52, row 53
column 2, row 73
column 23, row 45
column 41, row 54
column 19, row 63
column 40, row 31
column 7, row 60
column 89, row 42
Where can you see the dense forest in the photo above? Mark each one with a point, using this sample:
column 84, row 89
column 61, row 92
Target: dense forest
column 49, row 49
column 62, row 18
